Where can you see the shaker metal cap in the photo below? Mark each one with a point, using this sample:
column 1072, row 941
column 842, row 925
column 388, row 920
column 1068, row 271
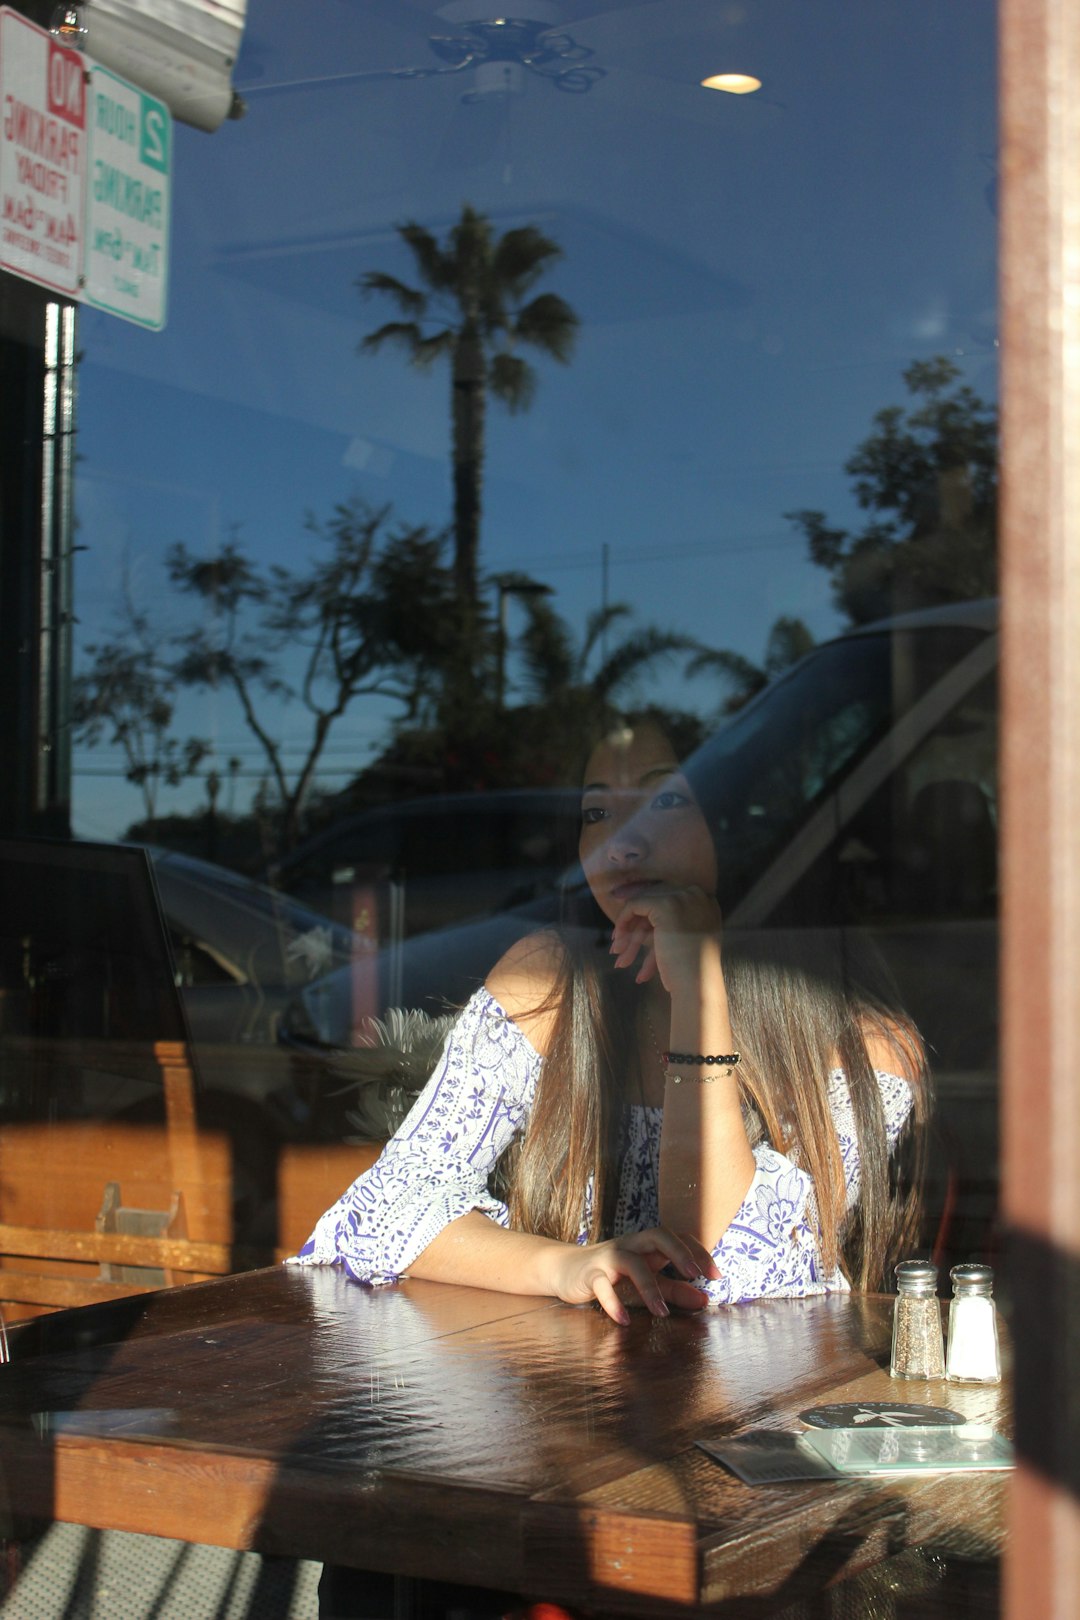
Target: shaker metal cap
column 971, row 1278
column 916, row 1277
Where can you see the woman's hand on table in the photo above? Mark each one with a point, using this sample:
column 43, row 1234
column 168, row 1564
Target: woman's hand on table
column 631, row 1267
column 667, row 928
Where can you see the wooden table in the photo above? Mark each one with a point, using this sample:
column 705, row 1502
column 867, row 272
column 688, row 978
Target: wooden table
column 475, row 1437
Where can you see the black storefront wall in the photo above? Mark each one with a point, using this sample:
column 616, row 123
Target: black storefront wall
column 37, row 437
column 37, row 454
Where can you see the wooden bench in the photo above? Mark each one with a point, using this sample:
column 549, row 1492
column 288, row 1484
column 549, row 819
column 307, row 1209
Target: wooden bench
column 95, row 1209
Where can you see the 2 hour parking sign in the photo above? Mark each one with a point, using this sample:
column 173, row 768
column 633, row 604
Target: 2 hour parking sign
column 127, row 200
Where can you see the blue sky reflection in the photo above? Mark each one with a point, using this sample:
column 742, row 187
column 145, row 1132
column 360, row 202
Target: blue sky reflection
column 753, row 274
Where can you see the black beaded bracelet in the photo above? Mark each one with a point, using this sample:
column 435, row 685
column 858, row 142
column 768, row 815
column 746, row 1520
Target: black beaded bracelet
column 727, row 1062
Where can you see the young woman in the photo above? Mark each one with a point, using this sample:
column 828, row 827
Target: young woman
column 672, row 1120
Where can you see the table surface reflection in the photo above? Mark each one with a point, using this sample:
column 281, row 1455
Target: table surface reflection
column 476, row 1437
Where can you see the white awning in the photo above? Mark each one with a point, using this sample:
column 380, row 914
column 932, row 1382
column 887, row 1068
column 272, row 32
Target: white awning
column 182, row 51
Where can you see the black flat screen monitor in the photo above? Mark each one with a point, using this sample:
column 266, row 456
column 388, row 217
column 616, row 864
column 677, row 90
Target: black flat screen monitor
column 84, row 953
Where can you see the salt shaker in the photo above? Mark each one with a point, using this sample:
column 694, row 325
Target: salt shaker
column 918, row 1350
column 974, row 1356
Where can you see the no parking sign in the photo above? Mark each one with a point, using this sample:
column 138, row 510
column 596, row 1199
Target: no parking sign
column 42, row 155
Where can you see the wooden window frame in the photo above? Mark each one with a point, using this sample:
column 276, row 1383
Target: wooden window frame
column 1040, row 279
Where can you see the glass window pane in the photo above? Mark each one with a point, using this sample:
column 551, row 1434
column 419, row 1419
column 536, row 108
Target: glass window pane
column 524, row 393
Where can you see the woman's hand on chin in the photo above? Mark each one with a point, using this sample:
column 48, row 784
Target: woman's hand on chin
column 671, row 930
column 630, row 1267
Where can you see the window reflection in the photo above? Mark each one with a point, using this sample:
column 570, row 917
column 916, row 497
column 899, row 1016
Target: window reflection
column 514, row 381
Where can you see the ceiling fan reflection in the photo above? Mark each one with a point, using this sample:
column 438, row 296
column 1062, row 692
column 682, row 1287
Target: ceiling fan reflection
column 496, row 53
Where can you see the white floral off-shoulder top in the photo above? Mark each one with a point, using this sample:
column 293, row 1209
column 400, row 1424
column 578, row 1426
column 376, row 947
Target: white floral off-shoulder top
column 478, row 1098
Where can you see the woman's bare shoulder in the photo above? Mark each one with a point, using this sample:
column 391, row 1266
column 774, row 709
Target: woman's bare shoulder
column 525, row 983
column 894, row 1048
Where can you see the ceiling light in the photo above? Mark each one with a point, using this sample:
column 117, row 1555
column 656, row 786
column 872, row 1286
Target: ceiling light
column 736, row 84
column 68, row 25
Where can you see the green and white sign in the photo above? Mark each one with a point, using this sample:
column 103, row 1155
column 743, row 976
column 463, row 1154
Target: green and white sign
column 129, row 158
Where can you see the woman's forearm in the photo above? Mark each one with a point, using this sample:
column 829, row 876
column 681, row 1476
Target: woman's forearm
column 706, row 1164
column 478, row 1253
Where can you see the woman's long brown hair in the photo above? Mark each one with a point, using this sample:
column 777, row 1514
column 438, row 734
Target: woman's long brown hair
column 802, row 1002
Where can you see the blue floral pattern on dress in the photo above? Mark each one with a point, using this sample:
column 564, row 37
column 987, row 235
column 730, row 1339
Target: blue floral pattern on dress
column 478, row 1099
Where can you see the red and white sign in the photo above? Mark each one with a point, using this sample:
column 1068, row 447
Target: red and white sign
column 42, row 155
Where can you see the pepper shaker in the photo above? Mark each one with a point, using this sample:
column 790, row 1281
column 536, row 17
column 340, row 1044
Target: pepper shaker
column 974, row 1355
column 918, row 1349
